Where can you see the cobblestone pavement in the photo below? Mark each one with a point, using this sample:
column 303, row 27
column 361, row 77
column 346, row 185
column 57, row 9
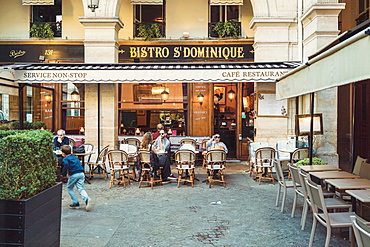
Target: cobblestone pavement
column 171, row 216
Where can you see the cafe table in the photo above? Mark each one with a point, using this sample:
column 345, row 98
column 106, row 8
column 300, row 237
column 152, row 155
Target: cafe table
column 319, row 168
column 363, row 196
column 349, row 184
column 319, row 177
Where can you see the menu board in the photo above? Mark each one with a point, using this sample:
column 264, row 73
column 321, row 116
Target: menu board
column 268, row 106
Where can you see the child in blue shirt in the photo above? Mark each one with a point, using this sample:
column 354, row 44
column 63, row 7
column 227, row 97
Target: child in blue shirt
column 72, row 166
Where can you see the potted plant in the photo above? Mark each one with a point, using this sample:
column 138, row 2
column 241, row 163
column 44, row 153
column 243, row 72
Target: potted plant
column 315, row 161
column 226, row 29
column 30, row 198
column 41, row 30
column 149, row 31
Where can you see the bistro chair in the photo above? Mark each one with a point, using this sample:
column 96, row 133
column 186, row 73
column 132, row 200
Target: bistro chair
column 72, row 142
column 98, row 167
column 188, row 141
column 147, row 175
column 321, row 213
column 331, row 203
column 252, row 156
column 133, row 141
column 294, row 171
column 131, row 150
column 264, row 164
column 216, row 161
column 282, row 184
column 361, row 229
column 204, row 151
column 119, row 168
column 89, row 148
column 357, row 167
column 297, row 155
column 185, row 164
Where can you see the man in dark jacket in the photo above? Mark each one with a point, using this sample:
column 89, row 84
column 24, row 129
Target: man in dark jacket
column 72, row 166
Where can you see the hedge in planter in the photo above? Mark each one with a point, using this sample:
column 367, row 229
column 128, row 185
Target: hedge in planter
column 30, row 199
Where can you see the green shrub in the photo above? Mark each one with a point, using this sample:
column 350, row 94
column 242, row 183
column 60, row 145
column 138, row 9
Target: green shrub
column 226, row 29
column 38, row 124
column 149, row 31
column 315, row 161
column 27, row 163
column 4, row 127
column 42, row 30
column 27, row 125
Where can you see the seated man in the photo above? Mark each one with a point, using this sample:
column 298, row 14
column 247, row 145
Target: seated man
column 59, row 141
column 162, row 148
column 215, row 143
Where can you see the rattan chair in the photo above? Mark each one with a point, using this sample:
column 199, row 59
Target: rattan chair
column 188, row 141
column 133, row 141
column 147, row 175
column 98, row 167
column 252, row 156
column 321, row 213
column 185, row 164
column 216, row 163
column 264, row 164
column 119, row 168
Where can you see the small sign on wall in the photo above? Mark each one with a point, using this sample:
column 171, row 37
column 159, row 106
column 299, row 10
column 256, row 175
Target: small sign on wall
column 268, row 106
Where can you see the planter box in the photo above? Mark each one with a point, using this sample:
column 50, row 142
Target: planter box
column 32, row 222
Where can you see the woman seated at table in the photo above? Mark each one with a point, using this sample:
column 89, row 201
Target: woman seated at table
column 162, row 148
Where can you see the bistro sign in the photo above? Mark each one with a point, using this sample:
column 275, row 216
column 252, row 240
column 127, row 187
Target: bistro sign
column 186, row 52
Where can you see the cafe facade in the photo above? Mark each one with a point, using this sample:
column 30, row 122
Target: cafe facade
column 101, row 80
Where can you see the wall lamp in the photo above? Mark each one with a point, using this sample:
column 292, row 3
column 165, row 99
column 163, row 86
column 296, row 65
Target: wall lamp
column 93, row 4
column 75, row 95
column 48, row 98
column 165, row 95
column 200, row 98
column 231, row 94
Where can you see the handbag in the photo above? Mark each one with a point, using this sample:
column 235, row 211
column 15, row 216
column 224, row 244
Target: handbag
column 78, row 150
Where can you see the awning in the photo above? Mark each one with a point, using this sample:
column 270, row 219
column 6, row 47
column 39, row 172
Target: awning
column 344, row 63
column 226, row 2
column 147, row 2
column 152, row 73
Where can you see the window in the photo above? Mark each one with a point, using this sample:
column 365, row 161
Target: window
column 363, row 11
column 51, row 14
column 149, row 14
column 223, row 13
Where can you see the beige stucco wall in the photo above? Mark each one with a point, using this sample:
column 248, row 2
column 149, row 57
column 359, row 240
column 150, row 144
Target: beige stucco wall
column 9, row 28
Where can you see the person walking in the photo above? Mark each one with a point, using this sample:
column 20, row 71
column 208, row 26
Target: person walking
column 72, row 166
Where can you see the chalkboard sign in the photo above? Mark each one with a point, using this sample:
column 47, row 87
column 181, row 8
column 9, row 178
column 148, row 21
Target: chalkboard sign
column 268, row 106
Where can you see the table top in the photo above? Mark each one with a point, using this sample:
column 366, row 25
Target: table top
column 361, row 195
column 349, row 183
column 319, row 168
column 333, row 174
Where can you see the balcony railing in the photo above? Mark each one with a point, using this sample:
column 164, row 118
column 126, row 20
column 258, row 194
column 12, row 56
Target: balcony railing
column 55, row 26
column 214, row 34
column 363, row 17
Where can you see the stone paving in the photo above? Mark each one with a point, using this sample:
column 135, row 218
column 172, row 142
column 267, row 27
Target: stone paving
column 171, row 216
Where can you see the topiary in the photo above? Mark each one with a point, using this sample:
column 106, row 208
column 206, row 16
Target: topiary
column 41, row 30
column 149, row 31
column 226, row 29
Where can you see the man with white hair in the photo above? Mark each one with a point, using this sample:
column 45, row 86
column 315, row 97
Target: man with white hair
column 59, row 141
